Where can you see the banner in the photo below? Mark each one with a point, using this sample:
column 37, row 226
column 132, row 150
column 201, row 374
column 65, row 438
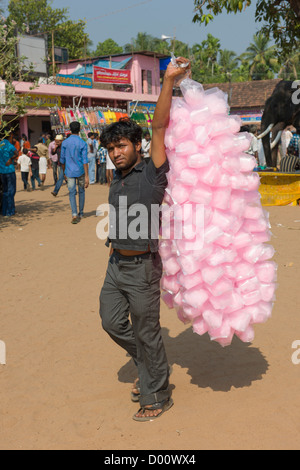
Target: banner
column 102, row 75
column 73, row 80
column 42, row 101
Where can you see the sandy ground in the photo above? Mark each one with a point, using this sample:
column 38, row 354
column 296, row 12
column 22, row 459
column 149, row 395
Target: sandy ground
column 67, row 386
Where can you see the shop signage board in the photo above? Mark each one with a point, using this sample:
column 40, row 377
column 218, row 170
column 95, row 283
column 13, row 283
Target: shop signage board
column 141, row 107
column 102, row 75
column 73, row 80
column 42, row 101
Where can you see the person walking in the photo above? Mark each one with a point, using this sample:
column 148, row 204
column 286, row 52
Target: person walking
column 35, row 167
column 74, row 162
column 102, row 156
column 43, row 153
column 8, row 154
column 132, row 282
column 92, row 153
column 56, row 152
column 25, row 166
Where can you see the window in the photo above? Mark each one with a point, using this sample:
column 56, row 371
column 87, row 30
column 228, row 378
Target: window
column 147, row 82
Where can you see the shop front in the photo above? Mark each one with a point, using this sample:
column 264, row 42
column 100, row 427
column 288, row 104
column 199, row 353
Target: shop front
column 53, row 107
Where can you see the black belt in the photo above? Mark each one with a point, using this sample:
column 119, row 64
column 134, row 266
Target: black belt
column 147, row 255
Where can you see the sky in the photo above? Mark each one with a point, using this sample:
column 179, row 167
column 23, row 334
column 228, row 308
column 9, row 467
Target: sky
column 122, row 21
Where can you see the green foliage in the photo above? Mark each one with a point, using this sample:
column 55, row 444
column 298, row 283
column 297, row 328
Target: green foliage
column 107, row 47
column 38, row 16
column 11, row 70
column 280, row 18
column 262, row 58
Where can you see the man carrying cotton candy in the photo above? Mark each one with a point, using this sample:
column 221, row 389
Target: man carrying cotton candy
column 132, row 284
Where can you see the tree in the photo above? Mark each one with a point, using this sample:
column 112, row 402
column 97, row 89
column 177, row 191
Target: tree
column 260, row 56
column 290, row 69
column 205, row 67
column 228, row 62
column 11, row 70
column 108, row 47
column 37, row 17
column 281, row 18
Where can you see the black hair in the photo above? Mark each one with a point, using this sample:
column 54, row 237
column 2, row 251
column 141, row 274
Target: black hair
column 90, row 134
column 25, row 151
column 75, row 127
column 124, row 128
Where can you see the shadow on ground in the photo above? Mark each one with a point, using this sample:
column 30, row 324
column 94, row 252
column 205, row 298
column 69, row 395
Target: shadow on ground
column 207, row 363
column 26, row 211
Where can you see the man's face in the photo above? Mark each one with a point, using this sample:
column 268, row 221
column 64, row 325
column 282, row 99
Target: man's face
column 58, row 143
column 124, row 154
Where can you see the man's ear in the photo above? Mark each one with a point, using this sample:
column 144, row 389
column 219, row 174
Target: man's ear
column 138, row 146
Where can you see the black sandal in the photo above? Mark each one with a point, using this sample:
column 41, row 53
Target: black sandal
column 163, row 406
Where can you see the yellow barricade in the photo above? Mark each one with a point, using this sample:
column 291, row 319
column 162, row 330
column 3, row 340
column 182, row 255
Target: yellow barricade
column 279, row 189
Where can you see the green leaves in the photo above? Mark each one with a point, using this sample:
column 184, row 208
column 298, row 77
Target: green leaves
column 38, row 16
column 12, row 69
column 281, row 18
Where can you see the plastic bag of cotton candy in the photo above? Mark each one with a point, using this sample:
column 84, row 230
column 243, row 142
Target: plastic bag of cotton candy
column 218, row 268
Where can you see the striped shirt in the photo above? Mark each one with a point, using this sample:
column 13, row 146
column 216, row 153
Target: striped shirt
column 290, row 164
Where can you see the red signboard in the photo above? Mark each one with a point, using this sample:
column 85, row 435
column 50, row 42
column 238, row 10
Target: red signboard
column 102, row 75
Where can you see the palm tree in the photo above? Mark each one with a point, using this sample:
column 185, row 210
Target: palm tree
column 143, row 42
column 260, row 55
column 291, row 66
column 227, row 62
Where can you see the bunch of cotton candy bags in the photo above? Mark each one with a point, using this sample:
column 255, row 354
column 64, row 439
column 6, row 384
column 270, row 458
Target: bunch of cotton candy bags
column 218, row 272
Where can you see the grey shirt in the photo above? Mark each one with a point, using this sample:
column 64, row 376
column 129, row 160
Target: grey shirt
column 135, row 201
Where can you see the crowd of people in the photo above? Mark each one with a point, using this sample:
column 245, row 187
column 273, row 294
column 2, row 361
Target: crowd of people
column 34, row 162
column 288, row 159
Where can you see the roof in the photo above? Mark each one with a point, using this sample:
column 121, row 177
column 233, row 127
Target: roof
column 88, row 69
column 247, row 94
column 123, row 54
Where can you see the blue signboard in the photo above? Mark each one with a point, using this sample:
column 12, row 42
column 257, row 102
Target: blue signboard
column 73, row 80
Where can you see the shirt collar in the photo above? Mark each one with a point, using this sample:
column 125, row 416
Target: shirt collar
column 139, row 168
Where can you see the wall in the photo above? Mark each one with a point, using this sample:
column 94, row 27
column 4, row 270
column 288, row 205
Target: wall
column 141, row 63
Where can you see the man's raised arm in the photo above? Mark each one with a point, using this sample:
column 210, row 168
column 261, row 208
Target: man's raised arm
column 162, row 113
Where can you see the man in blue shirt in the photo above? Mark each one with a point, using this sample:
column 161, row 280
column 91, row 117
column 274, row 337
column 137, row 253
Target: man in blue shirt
column 8, row 154
column 74, row 162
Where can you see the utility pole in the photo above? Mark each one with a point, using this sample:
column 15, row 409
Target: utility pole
column 53, row 56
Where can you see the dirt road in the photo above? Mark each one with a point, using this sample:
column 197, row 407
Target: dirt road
column 67, row 386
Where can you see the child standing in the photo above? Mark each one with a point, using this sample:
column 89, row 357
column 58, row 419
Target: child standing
column 35, row 160
column 25, row 163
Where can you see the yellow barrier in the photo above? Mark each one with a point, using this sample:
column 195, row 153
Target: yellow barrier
column 279, row 189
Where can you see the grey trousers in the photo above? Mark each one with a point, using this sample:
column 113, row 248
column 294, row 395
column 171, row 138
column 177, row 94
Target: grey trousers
column 132, row 287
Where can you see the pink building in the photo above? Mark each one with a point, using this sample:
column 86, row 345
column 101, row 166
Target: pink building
column 145, row 73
